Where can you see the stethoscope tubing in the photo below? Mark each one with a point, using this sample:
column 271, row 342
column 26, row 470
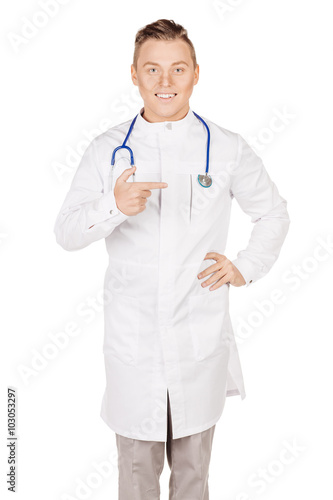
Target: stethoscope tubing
column 208, row 140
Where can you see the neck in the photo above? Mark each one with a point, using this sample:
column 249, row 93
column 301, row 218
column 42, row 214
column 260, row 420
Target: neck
column 152, row 117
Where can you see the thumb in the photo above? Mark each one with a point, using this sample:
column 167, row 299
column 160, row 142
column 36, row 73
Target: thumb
column 127, row 173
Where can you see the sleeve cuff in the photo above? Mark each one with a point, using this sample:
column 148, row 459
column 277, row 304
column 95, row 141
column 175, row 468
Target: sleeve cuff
column 246, row 268
column 105, row 209
column 110, row 206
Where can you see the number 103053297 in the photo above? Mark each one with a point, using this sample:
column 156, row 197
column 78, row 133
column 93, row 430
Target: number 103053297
column 11, row 411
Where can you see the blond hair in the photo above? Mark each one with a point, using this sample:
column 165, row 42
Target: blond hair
column 163, row 29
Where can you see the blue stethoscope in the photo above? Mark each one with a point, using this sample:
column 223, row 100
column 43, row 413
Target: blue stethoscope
column 204, row 180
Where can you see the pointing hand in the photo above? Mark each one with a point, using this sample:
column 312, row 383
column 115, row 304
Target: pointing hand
column 131, row 197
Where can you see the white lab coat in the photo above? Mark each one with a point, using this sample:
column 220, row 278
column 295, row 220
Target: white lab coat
column 162, row 329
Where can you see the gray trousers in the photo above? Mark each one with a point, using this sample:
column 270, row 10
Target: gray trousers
column 140, row 464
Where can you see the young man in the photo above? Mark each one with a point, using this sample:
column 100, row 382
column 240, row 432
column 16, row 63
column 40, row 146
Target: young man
column 169, row 349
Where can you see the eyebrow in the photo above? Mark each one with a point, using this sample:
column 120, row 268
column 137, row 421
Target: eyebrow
column 156, row 64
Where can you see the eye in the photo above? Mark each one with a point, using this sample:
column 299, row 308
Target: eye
column 152, row 70
column 179, row 70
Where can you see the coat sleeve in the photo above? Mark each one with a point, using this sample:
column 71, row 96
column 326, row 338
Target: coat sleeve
column 259, row 198
column 87, row 213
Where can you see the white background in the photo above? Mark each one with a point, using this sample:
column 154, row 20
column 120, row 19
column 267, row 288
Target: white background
column 71, row 78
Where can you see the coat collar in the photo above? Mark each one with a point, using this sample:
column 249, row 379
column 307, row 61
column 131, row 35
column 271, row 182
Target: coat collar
column 145, row 126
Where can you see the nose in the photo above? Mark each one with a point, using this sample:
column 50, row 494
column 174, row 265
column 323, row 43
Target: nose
column 165, row 79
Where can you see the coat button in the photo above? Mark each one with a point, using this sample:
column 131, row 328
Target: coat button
column 111, row 211
column 250, row 281
column 169, row 126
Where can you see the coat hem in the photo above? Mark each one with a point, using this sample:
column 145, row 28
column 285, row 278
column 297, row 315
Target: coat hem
column 189, row 432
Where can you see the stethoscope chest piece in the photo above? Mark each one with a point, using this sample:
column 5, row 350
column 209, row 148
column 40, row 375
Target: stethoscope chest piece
column 205, row 180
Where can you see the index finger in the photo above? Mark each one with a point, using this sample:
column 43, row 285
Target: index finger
column 150, row 185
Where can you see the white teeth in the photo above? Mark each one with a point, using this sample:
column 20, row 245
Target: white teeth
column 165, row 96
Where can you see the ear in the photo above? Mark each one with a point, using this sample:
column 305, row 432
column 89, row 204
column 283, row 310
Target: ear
column 134, row 75
column 196, row 75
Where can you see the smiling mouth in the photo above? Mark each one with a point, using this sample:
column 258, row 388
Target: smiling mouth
column 165, row 97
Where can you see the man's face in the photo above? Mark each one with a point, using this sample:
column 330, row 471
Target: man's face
column 165, row 67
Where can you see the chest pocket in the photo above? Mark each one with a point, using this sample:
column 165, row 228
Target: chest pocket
column 206, row 201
